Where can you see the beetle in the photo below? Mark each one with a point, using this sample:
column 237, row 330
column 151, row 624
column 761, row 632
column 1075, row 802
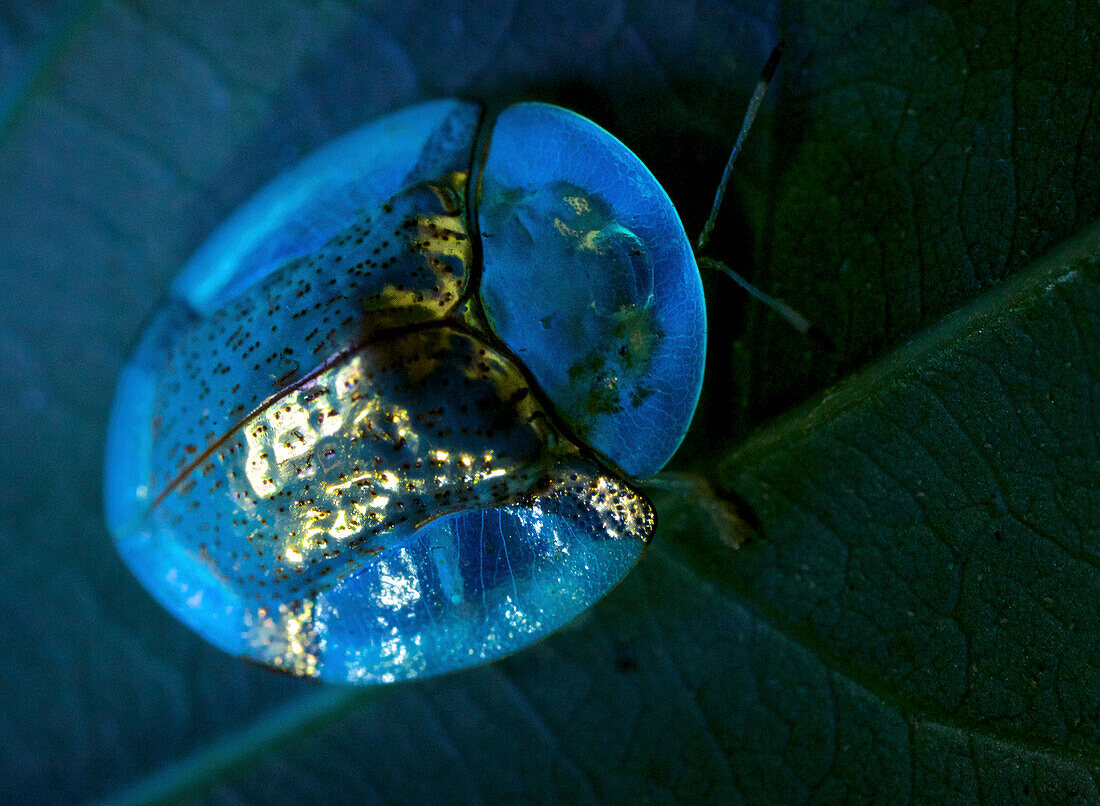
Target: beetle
column 389, row 421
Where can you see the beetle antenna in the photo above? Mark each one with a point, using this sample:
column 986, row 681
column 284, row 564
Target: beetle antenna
column 746, row 124
column 793, row 317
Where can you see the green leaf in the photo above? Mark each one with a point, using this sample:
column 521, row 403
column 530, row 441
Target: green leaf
column 915, row 617
column 928, row 530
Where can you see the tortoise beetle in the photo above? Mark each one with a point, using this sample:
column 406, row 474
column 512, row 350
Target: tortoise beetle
column 388, row 421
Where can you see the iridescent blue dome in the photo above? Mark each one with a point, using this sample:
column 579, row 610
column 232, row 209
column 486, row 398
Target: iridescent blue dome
column 341, row 448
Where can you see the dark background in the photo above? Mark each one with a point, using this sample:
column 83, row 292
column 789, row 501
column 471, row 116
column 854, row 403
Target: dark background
column 916, row 617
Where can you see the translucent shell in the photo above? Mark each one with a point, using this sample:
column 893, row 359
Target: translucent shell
column 326, row 454
column 590, row 279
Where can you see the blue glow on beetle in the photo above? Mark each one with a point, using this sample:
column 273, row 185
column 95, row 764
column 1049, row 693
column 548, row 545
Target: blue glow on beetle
column 387, row 422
